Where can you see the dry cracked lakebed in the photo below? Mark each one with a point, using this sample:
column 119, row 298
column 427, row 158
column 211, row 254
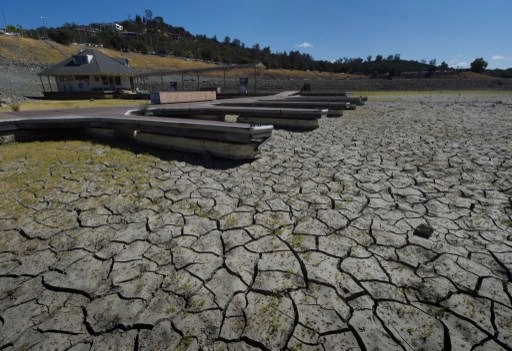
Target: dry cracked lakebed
column 387, row 229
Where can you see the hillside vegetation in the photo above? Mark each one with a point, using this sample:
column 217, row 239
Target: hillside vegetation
column 163, row 45
column 45, row 53
column 151, row 35
column 21, row 58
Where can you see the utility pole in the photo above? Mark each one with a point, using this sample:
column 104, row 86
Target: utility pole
column 5, row 22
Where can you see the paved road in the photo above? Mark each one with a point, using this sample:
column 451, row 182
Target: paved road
column 321, row 244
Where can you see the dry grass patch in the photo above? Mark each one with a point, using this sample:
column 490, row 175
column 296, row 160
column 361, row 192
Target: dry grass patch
column 32, row 51
column 72, row 104
column 32, row 171
column 40, row 52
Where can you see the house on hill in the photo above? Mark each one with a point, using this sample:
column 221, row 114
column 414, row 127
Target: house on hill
column 89, row 73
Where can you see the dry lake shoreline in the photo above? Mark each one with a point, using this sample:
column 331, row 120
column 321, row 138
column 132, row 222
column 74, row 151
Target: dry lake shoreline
column 313, row 246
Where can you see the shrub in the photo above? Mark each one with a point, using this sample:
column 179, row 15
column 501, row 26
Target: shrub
column 479, row 65
column 15, row 106
column 143, row 110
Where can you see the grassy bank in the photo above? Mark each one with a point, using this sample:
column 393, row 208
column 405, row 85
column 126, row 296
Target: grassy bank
column 71, row 104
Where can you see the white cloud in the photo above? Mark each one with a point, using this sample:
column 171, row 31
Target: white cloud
column 304, row 45
column 497, row 57
column 458, row 64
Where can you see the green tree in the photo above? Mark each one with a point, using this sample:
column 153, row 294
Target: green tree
column 10, row 28
column 64, row 36
column 479, row 65
column 236, row 43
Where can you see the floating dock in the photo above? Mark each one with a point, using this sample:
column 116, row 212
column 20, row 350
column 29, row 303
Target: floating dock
column 220, row 139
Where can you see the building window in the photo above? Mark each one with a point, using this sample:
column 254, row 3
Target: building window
column 118, row 80
column 82, row 78
column 80, row 60
column 96, row 78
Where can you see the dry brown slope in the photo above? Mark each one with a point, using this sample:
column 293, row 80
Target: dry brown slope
column 25, row 50
column 44, row 53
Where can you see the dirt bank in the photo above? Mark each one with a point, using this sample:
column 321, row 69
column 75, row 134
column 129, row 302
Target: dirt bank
column 20, row 80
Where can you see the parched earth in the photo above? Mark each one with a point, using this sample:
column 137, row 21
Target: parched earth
column 387, row 229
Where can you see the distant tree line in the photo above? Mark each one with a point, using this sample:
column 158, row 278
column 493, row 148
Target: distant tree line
column 150, row 34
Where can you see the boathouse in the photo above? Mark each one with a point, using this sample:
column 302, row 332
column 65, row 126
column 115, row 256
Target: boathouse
column 89, row 73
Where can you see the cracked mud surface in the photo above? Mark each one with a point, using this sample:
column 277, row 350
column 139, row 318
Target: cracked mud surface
column 311, row 247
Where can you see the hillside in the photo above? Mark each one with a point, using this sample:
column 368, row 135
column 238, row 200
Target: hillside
column 44, row 53
column 163, row 45
column 22, row 58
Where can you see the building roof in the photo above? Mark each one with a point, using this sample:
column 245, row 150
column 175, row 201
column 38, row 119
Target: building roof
column 94, row 63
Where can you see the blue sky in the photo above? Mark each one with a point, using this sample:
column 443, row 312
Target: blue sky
column 454, row 31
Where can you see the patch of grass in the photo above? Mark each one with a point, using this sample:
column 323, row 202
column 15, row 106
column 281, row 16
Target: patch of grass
column 271, row 314
column 143, row 109
column 69, row 104
column 274, row 326
column 185, row 343
column 211, row 214
column 297, row 241
column 34, row 170
column 30, row 50
column 171, row 309
column 14, row 106
column 231, row 221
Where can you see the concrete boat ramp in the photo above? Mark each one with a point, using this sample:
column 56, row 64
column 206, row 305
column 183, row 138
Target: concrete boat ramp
column 199, row 127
